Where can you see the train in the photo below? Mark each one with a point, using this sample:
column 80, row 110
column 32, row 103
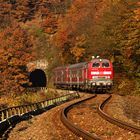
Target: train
column 94, row 75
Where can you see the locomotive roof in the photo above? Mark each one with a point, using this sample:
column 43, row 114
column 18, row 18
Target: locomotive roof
column 77, row 65
column 98, row 59
column 61, row 67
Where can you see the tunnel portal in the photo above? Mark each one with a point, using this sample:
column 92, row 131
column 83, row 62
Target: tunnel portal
column 38, row 78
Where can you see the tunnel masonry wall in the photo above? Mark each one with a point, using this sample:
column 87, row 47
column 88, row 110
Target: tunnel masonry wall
column 37, row 73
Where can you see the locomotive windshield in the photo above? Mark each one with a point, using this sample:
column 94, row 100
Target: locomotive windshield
column 96, row 65
column 105, row 65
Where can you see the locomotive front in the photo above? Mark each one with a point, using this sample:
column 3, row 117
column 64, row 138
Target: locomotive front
column 100, row 73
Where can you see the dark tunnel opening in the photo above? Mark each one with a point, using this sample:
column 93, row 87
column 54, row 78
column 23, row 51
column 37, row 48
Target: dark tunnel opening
column 38, row 78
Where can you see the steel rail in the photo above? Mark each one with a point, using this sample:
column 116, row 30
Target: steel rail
column 115, row 121
column 75, row 129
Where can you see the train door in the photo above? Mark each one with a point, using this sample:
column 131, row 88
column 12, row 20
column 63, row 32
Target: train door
column 85, row 78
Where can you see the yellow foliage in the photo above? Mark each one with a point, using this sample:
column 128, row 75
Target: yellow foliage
column 77, row 52
column 80, row 40
column 78, row 49
column 137, row 12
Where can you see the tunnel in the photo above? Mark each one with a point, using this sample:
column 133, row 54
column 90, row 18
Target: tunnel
column 38, row 78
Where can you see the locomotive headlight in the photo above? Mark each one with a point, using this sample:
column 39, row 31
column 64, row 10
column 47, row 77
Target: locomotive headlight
column 93, row 84
column 95, row 72
column 109, row 84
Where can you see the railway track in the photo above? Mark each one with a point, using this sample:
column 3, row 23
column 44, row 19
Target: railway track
column 60, row 131
column 75, row 129
column 90, row 136
column 117, row 122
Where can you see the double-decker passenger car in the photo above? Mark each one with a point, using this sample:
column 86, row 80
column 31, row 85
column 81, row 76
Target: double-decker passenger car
column 94, row 75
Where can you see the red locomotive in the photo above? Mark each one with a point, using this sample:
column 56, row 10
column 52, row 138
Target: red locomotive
column 94, row 75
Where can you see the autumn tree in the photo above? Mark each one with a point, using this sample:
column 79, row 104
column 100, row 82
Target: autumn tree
column 5, row 14
column 15, row 52
column 77, row 30
column 119, row 33
column 119, row 27
column 22, row 10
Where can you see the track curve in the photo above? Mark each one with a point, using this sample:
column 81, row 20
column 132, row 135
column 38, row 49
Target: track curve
column 117, row 122
column 100, row 109
column 75, row 129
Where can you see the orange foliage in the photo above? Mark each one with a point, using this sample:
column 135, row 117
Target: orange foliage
column 5, row 16
column 137, row 12
column 15, row 53
column 77, row 50
column 79, row 21
column 50, row 24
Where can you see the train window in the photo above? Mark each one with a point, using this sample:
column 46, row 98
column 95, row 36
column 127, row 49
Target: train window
column 96, row 65
column 105, row 65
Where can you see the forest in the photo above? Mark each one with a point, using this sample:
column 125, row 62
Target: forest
column 67, row 32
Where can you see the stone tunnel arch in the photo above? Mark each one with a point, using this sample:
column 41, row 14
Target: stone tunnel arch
column 38, row 78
